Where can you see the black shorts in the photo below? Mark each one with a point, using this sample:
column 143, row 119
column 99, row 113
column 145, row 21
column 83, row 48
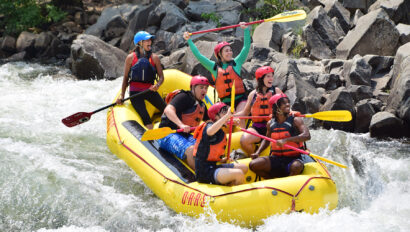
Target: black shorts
column 280, row 165
column 207, row 173
column 260, row 130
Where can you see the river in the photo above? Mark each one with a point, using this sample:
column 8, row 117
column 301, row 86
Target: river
column 55, row 178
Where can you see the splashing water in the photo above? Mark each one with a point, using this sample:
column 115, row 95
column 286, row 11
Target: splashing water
column 54, row 178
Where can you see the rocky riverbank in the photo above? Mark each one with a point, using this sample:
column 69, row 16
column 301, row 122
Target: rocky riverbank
column 352, row 55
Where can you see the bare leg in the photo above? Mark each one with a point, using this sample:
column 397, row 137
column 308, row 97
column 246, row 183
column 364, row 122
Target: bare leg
column 189, row 152
column 240, row 107
column 261, row 166
column 248, row 142
column 296, row 168
column 149, row 126
column 230, row 176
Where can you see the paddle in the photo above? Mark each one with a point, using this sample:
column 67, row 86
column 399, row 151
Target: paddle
column 160, row 133
column 231, row 120
column 283, row 17
column 82, row 117
column 334, row 115
column 295, row 149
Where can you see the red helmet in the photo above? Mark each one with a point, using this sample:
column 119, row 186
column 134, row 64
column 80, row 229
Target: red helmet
column 262, row 71
column 275, row 98
column 199, row 80
column 219, row 47
column 214, row 110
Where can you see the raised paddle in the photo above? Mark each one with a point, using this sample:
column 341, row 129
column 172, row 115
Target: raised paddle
column 82, row 117
column 296, row 149
column 283, row 17
column 334, row 115
column 160, row 133
column 231, row 120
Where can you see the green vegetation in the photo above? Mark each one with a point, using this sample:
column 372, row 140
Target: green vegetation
column 298, row 48
column 20, row 15
column 270, row 8
column 213, row 17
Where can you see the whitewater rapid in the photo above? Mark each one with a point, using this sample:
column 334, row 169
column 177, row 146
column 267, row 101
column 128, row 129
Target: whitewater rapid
column 54, row 178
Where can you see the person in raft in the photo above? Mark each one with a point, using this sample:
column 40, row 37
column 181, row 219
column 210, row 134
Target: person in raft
column 140, row 71
column 258, row 105
column 185, row 110
column 226, row 69
column 210, row 148
column 285, row 129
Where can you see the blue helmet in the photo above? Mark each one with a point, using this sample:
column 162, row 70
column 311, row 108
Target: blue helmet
column 142, row 35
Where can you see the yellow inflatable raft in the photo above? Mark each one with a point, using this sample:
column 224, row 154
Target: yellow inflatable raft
column 172, row 181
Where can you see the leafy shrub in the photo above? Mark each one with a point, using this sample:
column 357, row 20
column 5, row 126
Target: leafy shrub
column 213, row 17
column 271, row 8
column 20, row 15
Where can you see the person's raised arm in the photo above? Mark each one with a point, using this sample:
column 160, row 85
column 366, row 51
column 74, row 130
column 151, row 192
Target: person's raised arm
column 241, row 58
column 207, row 63
column 218, row 124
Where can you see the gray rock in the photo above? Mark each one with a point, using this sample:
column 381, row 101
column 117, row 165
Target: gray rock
column 124, row 11
column 398, row 10
column 360, row 92
column 192, row 65
column 340, row 99
column 336, row 9
column 171, row 16
column 8, row 44
column 398, row 100
column 268, row 34
column 115, row 28
column 375, row 27
column 137, row 21
column 20, row 56
column 316, row 46
column 195, row 9
column 364, row 114
column 328, row 81
column 25, row 42
column 384, row 125
column 43, row 40
column 358, row 4
column 312, row 3
column 359, row 72
column 176, row 60
column 93, row 58
column 288, row 42
column 303, row 96
column 379, row 64
column 404, row 31
column 358, row 14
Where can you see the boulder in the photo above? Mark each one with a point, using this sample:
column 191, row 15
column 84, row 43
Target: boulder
column 399, row 99
column 360, row 92
column 404, row 31
column 384, row 125
column 328, row 81
column 379, row 64
column 92, row 58
column 269, row 34
column 195, row 9
column 356, row 17
column 340, row 99
column 288, row 42
column 312, row 3
column 357, row 72
column 230, row 11
column 25, row 42
column 364, row 114
column 192, row 65
column 43, row 40
column 303, row 96
column 336, row 9
column 176, row 60
column 358, row 4
column 8, row 44
column 124, row 11
column 114, row 28
column 167, row 16
column 137, row 21
column 398, row 10
column 374, row 33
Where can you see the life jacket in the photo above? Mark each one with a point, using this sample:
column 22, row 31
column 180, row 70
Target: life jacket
column 192, row 116
column 261, row 107
column 282, row 131
column 143, row 70
column 216, row 151
column 223, row 81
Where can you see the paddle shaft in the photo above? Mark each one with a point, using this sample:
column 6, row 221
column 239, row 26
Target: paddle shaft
column 226, row 27
column 294, row 148
column 123, row 100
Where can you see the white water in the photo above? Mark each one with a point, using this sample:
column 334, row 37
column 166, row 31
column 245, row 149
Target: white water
column 54, row 178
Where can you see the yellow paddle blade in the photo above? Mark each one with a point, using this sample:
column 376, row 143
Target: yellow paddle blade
column 157, row 133
column 288, row 16
column 233, row 97
column 334, row 115
column 327, row 160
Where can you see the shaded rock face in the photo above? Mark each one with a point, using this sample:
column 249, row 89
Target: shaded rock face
column 375, row 27
column 384, row 125
column 92, row 58
column 398, row 10
column 364, row 114
column 399, row 99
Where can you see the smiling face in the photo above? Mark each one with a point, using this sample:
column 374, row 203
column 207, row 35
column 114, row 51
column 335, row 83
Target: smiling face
column 146, row 44
column 268, row 80
column 284, row 105
column 226, row 54
column 200, row 91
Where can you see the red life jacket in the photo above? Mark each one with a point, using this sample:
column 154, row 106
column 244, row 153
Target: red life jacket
column 191, row 117
column 224, row 80
column 261, row 107
column 281, row 131
column 216, row 151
